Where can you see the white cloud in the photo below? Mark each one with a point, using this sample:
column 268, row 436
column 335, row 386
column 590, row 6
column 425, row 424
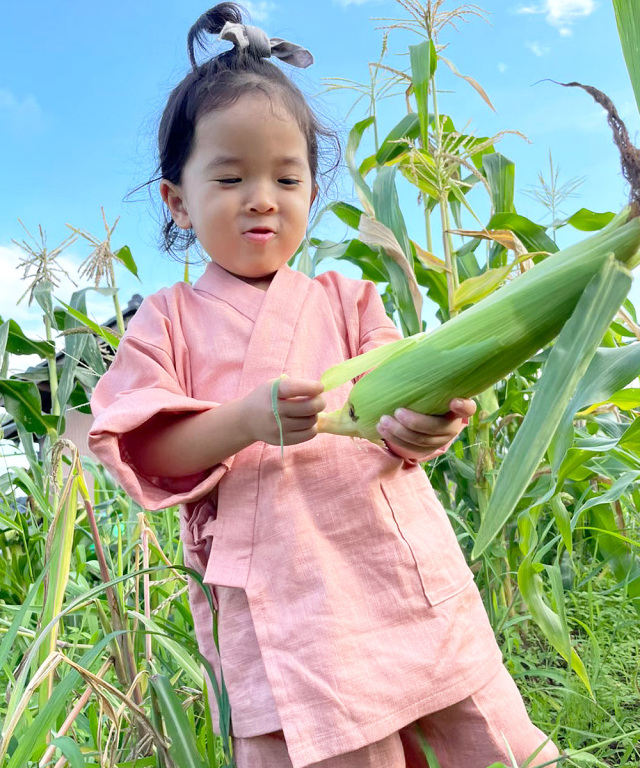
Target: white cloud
column 561, row 13
column 23, row 116
column 502, row 67
column 345, row 3
column 539, row 50
column 259, row 10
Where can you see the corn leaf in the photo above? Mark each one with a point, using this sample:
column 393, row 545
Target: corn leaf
column 42, row 294
column 393, row 146
column 22, row 401
column 617, row 551
column 476, row 288
column 375, row 234
column 567, row 363
column 4, row 337
column 588, row 221
column 625, row 399
column 530, row 585
column 100, row 330
column 124, row 257
column 367, row 165
column 347, row 213
column 563, row 521
column 504, row 237
column 353, row 142
column 630, row 440
column 610, row 370
column 552, row 623
column 388, row 212
column 470, row 80
column 500, row 173
column 19, row 344
column 354, row 251
column 429, row 260
column 423, row 61
column 628, row 21
column 532, row 236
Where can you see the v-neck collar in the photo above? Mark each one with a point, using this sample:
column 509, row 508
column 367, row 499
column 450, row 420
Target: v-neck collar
column 244, row 297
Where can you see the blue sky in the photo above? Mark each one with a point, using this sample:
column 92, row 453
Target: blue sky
column 82, row 87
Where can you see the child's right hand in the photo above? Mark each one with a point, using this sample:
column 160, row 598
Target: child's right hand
column 299, row 403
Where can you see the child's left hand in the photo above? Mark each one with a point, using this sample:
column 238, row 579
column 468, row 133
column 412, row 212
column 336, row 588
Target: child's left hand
column 413, row 435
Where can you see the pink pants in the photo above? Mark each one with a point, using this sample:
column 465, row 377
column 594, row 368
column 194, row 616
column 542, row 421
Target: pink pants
column 470, row 734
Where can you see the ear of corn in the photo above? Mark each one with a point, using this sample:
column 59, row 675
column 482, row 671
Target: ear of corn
column 484, row 343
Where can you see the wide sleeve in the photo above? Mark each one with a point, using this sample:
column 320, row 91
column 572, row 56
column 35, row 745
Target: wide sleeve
column 143, row 381
column 376, row 329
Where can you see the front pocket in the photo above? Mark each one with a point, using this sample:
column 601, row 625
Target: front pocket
column 423, row 524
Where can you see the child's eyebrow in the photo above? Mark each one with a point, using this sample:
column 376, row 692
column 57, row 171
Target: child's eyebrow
column 216, row 162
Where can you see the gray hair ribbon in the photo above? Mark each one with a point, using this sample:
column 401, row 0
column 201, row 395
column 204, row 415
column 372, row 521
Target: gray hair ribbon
column 244, row 35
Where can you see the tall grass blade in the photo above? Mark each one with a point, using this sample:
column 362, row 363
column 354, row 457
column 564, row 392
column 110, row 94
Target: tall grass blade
column 59, row 548
column 70, row 750
column 567, row 363
column 185, row 662
column 183, row 749
column 54, row 709
column 20, row 619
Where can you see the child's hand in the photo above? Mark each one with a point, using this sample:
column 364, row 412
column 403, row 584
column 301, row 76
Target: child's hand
column 413, row 435
column 299, row 403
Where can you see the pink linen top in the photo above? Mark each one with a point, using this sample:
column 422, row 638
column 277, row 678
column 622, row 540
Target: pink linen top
column 347, row 608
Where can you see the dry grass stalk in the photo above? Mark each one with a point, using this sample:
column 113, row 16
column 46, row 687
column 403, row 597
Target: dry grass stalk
column 71, row 717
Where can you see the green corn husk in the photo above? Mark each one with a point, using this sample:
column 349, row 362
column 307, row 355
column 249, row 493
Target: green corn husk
column 482, row 345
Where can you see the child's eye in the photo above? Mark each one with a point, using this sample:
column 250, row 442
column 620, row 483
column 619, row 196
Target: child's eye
column 228, row 181
column 289, row 182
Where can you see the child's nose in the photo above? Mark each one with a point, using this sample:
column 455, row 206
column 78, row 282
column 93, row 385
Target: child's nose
column 262, row 198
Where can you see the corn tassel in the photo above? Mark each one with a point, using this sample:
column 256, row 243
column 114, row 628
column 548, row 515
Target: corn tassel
column 482, row 345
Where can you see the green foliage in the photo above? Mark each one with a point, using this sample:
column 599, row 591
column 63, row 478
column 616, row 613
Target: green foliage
column 107, row 642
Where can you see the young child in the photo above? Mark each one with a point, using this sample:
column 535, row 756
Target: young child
column 347, row 612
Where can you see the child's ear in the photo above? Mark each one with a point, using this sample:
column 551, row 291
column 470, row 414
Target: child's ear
column 314, row 194
column 172, row 195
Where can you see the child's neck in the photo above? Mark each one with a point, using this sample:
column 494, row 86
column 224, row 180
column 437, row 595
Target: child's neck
column 257, row 282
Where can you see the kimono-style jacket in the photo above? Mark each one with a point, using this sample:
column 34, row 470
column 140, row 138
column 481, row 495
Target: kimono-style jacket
column 363, row 612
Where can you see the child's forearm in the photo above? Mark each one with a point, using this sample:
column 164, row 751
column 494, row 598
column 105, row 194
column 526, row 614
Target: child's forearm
column 178, row 445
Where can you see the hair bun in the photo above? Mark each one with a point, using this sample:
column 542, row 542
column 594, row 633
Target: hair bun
column 211, row 22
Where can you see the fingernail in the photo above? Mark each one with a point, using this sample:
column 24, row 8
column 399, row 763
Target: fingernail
column 456, row 402
column 385, row 421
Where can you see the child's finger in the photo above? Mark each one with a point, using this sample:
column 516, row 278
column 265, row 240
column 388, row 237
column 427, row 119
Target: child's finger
column 436, row 426
column 394, row 430
column 299, row 388
column 462, row 406
column 304, row 407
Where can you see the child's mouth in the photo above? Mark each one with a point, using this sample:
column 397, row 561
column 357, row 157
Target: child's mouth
column 259, row 235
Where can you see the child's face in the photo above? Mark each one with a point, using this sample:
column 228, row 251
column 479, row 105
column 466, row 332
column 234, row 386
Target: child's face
column 248, row 171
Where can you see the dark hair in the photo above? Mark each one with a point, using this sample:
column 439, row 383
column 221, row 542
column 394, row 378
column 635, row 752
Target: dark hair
column 218, row 83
